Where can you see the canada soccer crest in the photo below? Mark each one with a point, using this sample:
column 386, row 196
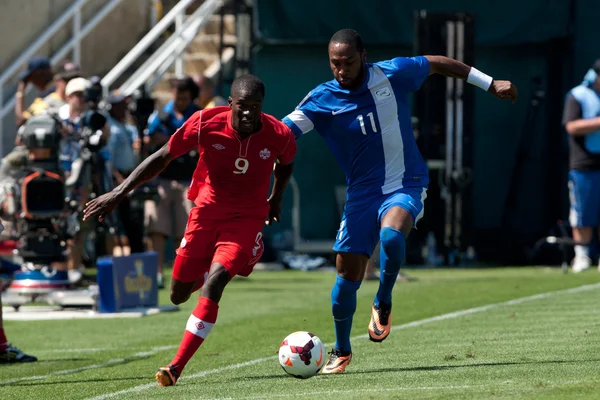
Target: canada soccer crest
column 265, row 154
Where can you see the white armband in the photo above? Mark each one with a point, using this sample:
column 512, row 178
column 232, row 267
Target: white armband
column 479, row 79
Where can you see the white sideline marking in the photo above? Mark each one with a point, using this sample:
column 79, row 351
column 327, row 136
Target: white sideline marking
column 89, row 350
column 108, row 363
column 396, row 327
column 197, row 375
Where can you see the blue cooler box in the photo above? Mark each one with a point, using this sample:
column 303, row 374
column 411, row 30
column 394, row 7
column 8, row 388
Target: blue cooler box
column 127, row 282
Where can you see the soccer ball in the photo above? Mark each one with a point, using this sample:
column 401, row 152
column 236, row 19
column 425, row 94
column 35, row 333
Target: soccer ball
column 302, row 355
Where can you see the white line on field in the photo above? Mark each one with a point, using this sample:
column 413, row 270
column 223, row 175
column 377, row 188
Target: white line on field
column 88, row 350
column 108, row 363
column 197, row 375
column 396, row 327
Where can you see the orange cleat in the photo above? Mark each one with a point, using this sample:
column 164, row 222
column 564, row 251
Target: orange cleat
column 381, row 322
column 167, row 376
column 338, row 361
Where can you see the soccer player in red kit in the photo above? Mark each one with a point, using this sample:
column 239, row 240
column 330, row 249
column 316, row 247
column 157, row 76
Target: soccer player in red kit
column 238, row 146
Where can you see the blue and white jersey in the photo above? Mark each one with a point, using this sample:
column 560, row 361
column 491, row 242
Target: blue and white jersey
column 369, row 130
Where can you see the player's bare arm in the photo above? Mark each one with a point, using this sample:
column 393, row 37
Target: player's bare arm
column 281, row 178
column 147, row 170
column 582, row 127
column 446, row 66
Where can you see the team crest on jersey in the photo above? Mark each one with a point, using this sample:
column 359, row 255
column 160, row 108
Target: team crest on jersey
column 383, row 93
column 265, row 154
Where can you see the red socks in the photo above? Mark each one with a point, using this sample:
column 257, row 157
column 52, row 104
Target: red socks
column 197, row 329
column 3, row 340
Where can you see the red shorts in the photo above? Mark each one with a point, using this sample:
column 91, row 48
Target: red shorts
column 234, row 243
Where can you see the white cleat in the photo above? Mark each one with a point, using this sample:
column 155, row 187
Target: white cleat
column 581, row 264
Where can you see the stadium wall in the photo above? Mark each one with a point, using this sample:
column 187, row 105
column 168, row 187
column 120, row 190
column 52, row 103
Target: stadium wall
column 25, row 20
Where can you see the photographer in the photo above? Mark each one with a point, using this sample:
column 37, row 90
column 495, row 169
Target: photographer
column 87, row 171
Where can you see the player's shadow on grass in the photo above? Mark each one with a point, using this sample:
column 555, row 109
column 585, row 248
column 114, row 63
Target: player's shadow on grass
column 69, row 382
column 282, row 375
column 474, row 365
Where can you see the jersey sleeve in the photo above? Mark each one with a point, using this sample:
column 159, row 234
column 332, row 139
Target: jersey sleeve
column 572, row 110
column 410, row 72
column 289, row 151
column 186, row 138
column 302, row 119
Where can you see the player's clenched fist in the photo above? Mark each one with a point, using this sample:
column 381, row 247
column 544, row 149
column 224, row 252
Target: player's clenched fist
column 504, row 90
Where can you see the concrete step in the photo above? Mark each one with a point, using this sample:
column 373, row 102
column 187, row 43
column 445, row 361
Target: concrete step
column 210, row 43
column 196, row 63
column 163, row 85
column 162, row 90
column 213, row 26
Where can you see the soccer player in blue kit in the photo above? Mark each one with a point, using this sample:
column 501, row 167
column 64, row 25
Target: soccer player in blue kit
column 363, row 115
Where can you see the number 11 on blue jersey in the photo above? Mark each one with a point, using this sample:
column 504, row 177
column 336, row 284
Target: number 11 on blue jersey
column 362, row 123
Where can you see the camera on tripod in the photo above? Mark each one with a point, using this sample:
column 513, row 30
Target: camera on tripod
column 93, row 120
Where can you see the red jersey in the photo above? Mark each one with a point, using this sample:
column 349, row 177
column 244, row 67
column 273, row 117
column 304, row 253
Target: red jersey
column 233, row 176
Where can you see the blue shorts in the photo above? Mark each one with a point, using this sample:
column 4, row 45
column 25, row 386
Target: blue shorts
column 361, row 222
column 584, row 192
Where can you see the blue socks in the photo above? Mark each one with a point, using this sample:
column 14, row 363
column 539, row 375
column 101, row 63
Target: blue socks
column 343, row 304
column 343, row 295
column 392, row 252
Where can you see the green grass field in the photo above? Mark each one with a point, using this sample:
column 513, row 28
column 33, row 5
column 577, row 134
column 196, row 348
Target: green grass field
column 457, row 335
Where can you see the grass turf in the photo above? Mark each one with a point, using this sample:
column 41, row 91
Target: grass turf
column 547, row 347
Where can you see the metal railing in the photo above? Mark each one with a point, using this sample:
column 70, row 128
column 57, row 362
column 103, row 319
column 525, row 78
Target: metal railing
column 73, row 45
column 171, row 51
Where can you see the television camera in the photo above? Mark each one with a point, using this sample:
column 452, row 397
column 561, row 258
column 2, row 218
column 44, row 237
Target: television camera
column 43, row 217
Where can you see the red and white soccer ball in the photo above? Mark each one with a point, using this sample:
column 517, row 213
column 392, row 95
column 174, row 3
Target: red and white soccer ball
column 302, row 355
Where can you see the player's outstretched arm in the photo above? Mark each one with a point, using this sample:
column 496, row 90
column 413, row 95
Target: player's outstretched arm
column 147, row 170
column 449, row 67
column 281, row 177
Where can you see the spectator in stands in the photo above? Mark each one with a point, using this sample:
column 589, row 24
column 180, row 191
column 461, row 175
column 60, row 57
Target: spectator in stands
column 207, row 97
column 52, row 103
column 57, row 98
column 174, row 180
column 39, row 74
column 122, row 143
